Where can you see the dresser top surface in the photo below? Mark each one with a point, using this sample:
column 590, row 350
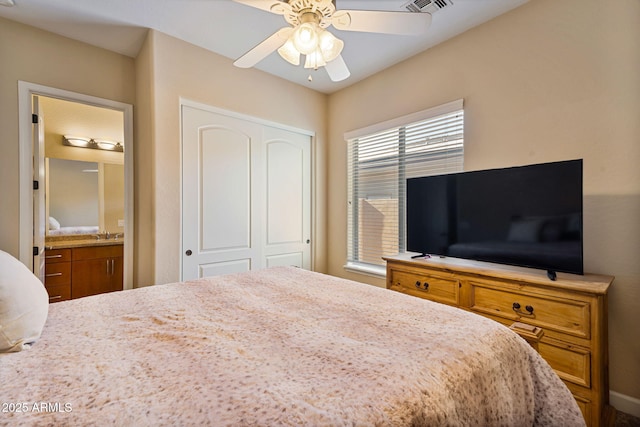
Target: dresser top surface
column 590, row 283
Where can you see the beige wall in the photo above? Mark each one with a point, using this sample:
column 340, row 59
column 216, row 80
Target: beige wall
column 551, row 80
column 40, row 57
column 180, row 70
column 144, row 155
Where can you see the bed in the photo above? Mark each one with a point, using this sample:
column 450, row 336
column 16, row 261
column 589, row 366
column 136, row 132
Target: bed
column 79, row 229
column 55, row 229
column 276, row 347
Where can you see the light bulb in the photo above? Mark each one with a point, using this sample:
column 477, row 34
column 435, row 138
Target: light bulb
column 305, row 38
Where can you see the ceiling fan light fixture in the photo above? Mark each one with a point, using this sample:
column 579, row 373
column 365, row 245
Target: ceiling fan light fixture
column 329, row 45
column 289, row 52
column 307, row 32
column 305, row 38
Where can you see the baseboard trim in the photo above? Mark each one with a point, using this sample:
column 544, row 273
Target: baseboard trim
column 624, row 403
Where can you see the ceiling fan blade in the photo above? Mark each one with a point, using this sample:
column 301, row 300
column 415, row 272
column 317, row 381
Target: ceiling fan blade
column 373, row 21
column 273, row 6
column 337, row 69
column 261, row 51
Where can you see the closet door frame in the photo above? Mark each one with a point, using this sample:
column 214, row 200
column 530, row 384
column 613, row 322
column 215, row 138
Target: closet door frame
column 259, row 122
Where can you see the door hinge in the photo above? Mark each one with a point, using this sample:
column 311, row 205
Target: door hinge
column 36, row 251
column 36, row 185
column 34, row 119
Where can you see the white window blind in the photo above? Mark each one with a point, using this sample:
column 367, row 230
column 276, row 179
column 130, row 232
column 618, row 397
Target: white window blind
column 380, row 159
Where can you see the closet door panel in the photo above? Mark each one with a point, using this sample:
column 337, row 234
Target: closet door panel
column 225, row 183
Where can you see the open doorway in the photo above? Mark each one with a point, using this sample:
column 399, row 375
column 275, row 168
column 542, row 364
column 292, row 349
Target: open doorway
column 97, row 202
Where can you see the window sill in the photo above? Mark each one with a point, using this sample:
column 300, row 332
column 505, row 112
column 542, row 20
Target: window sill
column 378, row 271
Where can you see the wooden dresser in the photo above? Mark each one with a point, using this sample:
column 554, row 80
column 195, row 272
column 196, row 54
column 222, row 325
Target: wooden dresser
column 81, row 271
column 564, row 320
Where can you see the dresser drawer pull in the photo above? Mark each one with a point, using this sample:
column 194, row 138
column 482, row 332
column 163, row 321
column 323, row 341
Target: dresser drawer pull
column 53, row 274
column 424, row 285
column 53, row 256
column 55, row 297
column 516, row 307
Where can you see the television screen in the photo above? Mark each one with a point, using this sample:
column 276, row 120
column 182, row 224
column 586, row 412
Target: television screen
column 528, row 216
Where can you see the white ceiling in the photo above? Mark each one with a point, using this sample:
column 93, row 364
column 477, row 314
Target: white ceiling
column 231, row 29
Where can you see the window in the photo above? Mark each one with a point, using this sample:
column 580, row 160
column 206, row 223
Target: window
column 380, row 159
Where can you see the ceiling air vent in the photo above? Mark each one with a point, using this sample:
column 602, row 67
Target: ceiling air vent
column 430, row 6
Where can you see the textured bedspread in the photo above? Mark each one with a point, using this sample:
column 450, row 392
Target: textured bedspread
column 281, row 346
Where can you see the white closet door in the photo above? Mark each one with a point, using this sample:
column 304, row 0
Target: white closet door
column 287, row 198
column 241, row 183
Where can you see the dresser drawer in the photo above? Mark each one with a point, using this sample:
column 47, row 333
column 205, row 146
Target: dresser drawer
column 572, row 364
column 59, row 293
column 52, row 256
column 558, row 314
column 429, row 287
column 58, row 273
column 585, row 406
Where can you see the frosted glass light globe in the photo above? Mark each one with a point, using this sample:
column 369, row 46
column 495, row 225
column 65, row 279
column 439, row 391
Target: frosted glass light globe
column 329, row 45
column 305, row 38
column 289, row 52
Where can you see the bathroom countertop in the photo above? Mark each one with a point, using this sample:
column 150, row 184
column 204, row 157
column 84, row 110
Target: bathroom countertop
column 79, row 243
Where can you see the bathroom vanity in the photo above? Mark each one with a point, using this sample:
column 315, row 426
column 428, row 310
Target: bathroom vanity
column 83, row 267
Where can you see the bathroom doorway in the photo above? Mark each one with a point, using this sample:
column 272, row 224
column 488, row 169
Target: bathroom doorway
column 86, row 170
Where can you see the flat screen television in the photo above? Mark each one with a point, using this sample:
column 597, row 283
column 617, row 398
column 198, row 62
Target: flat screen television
column 528, row 216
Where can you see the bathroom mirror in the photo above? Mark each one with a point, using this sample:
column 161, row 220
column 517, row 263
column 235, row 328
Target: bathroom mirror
column 84, row 197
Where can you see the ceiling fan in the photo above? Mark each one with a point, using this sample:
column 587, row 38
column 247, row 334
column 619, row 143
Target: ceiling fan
column 308, row 35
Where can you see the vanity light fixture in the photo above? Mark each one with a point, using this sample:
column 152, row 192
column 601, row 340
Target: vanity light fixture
column 98, row 144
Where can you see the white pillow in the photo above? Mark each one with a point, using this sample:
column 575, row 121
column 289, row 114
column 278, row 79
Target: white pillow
column 53, row 224
column 24, row 305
